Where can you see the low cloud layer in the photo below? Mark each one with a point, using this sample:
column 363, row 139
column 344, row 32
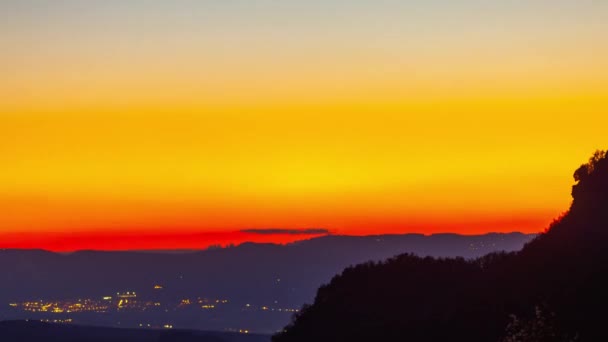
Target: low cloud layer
column 285, row 231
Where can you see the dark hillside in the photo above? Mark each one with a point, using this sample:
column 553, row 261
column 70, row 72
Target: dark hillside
column 552, row 290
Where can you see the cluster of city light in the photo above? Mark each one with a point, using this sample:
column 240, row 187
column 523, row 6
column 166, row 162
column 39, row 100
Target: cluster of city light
column 82, row 305
column 238, row 330
column 205, row 303
column 131, row 301
column 480, row 246
column 127, row 294
column 122, row 301
column 126, row 302
column 57, row 321
column 249, row 307
column 149, row 325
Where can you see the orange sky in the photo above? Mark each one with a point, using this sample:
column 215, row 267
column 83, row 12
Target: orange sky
column 194, row 122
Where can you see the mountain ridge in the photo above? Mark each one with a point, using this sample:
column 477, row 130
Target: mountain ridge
column 270, row 275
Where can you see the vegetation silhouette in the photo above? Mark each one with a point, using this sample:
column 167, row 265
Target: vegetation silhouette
column 554, row 289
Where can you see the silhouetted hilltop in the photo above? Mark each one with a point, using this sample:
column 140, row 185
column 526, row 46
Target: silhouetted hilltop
column 552, row 290
column 26, row 331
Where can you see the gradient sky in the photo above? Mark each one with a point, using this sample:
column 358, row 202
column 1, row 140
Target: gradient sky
column 182, row 123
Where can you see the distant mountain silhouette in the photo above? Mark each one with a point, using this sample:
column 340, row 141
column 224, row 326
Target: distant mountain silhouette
column 30, row 331
column 261, row 274
column 555, row 289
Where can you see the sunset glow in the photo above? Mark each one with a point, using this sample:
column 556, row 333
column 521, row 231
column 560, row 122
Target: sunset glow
column 179, row 124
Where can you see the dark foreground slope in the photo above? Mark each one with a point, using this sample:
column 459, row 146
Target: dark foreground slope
column 555, row 289
column 33, row 331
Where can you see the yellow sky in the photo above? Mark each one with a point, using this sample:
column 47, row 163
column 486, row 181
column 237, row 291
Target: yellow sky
column 378, row 118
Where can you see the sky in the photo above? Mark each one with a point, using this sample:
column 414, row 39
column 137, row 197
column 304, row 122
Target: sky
column 180, row 124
